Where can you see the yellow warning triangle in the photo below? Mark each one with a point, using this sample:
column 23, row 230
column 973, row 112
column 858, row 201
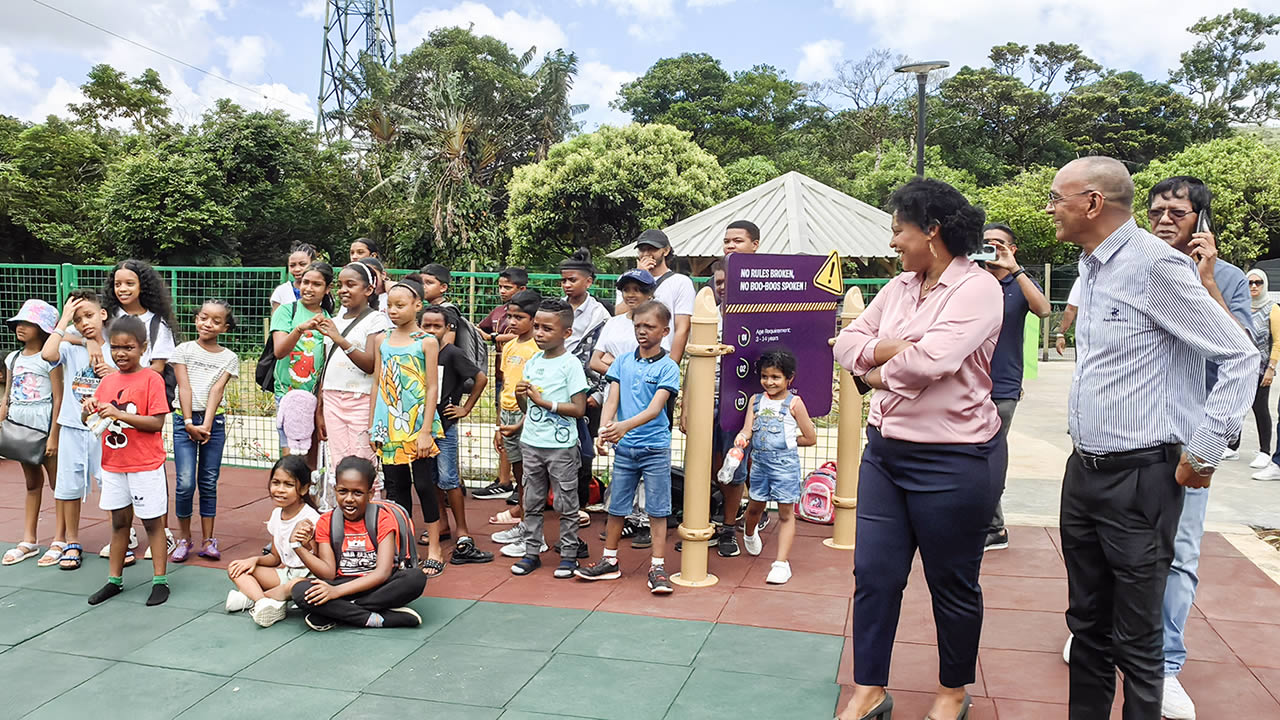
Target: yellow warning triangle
column 828, row 278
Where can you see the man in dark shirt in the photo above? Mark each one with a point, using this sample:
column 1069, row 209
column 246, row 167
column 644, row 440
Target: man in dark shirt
column 1021, row 294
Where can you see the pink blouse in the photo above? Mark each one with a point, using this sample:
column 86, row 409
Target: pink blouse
column 939, row 389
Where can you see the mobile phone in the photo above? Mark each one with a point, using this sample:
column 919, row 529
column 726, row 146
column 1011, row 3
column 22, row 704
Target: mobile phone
column 1204, row 223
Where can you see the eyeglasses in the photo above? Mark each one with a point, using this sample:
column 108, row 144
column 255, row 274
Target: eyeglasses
column 1055, row 198
column 1255, row 282
column 1175, row 214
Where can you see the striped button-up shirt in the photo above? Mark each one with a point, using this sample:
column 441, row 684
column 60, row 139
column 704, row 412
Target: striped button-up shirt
column 1145, row 331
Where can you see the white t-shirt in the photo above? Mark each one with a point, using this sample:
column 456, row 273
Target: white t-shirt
column 162, row 348
column 585, row 318
column 342, row 374
column 1073, row 298
column 677, row 293
column 619, row 337
column 284, row 294
column 282, row 533
column 203, row 370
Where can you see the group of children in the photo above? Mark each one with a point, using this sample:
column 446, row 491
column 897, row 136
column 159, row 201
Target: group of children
column 390, row 377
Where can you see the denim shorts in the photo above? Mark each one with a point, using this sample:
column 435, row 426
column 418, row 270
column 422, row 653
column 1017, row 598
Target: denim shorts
column 775, row 475
column 629, row 465
column 447, row 477
column 511, row 445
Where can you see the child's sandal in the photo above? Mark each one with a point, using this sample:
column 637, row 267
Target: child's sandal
column 22, row 551
column 52, row 555
column 430, row 564
column 71, row 562
column 503, row 518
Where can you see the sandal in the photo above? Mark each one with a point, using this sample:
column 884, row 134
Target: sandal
column 22, row 551
column 52, row 555
column 129, row 558
column 71, row 562
column 503, row 518
column 430, row 564
column 584, row 518
column 425, row 538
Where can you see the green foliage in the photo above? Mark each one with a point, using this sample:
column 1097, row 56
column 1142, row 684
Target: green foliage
column 873, row 175
column 1219, row 72
column 1019, row 203
column 1244, row 175
column 748, row 172
column 731, row 117
column 109, row 96
column 602, row 189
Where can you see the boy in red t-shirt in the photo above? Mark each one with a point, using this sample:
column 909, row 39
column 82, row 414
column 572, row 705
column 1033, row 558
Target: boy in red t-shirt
column 362, row 587
column 130, row 409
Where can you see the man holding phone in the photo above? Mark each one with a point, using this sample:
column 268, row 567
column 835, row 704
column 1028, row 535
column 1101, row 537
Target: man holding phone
column 1021, row 295
column 1180, row 214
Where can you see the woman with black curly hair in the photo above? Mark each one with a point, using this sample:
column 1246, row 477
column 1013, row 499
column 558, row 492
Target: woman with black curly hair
column 135, row 288
column 926, row 478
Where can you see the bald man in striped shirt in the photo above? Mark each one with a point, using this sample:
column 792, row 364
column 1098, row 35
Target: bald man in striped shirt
column 1143, row 427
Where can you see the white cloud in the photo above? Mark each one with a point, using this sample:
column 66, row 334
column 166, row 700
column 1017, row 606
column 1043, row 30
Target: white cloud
column 708, row 3
column 519, row 31
column 311, row 9
column 648, row 9
column 1134, row 33
column 246, row 55
column 818, row 61
column 55, row 101
column 16, row 77
column 597, row 85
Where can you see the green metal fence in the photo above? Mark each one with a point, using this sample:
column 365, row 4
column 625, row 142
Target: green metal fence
column 251, row 436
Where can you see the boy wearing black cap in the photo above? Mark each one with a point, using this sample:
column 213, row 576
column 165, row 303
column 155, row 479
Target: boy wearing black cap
column 653, row 254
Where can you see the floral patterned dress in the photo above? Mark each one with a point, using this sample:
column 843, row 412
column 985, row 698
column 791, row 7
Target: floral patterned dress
column 400, row 408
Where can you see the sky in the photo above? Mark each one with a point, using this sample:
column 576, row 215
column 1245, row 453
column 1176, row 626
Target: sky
column 271, row 48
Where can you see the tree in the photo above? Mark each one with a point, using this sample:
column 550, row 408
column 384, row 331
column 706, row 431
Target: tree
column 1244, row 175
column 872, row 176
column 109, row 95
column 1132, row 120
column 748, row 172
column 1219, row 72
column 601, row 189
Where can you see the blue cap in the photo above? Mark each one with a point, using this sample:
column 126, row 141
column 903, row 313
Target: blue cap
column 641, row 276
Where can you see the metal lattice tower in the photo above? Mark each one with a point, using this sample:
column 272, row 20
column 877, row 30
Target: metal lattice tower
column 352, row 30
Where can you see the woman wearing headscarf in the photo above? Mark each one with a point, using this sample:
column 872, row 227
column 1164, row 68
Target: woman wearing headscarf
column 1266, row 335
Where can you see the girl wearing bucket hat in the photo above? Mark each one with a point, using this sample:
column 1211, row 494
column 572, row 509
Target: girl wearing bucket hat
column 32, row 398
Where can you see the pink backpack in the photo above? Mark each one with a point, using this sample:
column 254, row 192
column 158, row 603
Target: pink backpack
column 817, row 496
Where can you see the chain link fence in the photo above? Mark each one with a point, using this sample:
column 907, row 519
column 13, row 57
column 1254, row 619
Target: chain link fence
column 251, row 435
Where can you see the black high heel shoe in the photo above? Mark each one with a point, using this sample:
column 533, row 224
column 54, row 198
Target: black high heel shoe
column 883, row 711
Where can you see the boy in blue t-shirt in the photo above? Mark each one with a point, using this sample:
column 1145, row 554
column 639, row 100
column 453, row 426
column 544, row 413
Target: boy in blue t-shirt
column 553, row 395
column 79, row 452
column 640, row 383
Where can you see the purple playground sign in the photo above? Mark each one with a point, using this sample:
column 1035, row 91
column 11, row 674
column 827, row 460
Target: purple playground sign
column 776, row 301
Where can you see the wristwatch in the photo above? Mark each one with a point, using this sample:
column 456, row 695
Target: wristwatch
column 1198, row 466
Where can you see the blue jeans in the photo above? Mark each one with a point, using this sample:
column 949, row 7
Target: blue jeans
column 629, row 466
column 197, row 464
column 447, row 461
column 1180, row 589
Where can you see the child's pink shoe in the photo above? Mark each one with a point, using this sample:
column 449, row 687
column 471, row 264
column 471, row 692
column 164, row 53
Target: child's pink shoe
column 210, row 550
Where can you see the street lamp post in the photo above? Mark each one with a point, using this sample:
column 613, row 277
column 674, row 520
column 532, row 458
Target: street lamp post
column 921, row 70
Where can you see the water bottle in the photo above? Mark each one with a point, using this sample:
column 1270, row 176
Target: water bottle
column 732, row 460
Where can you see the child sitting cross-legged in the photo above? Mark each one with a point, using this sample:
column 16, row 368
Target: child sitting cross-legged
column 263, row 582
column 361, row 585
column 639, row 384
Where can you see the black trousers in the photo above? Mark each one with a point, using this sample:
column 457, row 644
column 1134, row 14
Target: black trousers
column 1262, row 417
column 403, row 480
column 402, row 588
column 938, row 499
column 1117, row 530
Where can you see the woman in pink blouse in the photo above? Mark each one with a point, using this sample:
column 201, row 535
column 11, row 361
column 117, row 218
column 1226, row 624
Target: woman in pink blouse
column 925, row 345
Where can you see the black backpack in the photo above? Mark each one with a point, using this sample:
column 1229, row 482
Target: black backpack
column 265, row 373
column 469, row 341
column 406, row 547
column 170, row 379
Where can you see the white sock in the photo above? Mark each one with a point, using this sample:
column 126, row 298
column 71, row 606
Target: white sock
column 655, row 562
column 611, row 555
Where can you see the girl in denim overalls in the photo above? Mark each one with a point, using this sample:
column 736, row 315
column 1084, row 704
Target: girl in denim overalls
column 776, row 426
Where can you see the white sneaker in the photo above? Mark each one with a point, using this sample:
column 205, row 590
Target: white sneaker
column 267, row 612
column 752, row 543
column 1176, row 704
column 1270, row 472
column 1066, row 650
column 170, row 544
column 1230, row 454
column 1260, row 461
column 516, row 549
column 238, row 602
column 133, row 543
column 510, row 535
column 779, row 573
